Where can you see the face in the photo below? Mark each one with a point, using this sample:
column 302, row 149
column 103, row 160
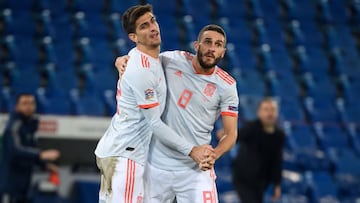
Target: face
column 147, row 31
column 210, row 49
column 268, row 112
column 26, row 105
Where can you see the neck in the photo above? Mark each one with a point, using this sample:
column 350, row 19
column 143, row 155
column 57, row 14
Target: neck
column 199, row 69
column 149, row 50
column 269, row 128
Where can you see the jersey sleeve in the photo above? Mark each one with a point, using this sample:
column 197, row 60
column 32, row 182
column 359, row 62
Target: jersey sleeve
column 230, row 102
column 144, row 88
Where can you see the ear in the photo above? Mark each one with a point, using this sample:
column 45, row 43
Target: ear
column 196, row 45
column 133, row 37
column 223, row 54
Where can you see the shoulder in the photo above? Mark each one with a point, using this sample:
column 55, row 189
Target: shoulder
column 177, row 54
column 225, row 77
column 250, row 125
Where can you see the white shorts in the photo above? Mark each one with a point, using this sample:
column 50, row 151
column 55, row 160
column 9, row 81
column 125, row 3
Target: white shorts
column 193, row 186
column 121, row 180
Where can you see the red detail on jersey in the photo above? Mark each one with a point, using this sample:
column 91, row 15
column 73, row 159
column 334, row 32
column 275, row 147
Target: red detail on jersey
column 130, row 181
column 178, row 73
column 185, row 98
column 208, row 197
column 225, row 76
column 232, row 114
column 148, row 106
column 188, row 56
column 210, row 89
column 139, row 199
column 118, row 95
column 145, row 63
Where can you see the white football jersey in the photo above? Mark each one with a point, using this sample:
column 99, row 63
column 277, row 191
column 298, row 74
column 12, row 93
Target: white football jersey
column 194, row 103
column 142, row 85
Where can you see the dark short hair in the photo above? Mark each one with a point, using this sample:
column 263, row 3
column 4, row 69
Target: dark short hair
column 131, row 15
column 212, row 27
column 266, row 99
column 18, row 96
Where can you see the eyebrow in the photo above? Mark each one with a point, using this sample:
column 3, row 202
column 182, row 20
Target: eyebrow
column 207, row 38
column 144, row 23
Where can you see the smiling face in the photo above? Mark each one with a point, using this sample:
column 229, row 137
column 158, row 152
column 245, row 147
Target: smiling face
column 147, row 31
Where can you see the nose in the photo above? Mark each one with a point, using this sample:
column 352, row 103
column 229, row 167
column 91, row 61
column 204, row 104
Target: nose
column 153, row 27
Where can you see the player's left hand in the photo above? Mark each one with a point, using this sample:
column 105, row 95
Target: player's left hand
column 120, row 64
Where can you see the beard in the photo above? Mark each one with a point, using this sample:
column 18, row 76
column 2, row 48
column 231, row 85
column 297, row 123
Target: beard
column 202, row 62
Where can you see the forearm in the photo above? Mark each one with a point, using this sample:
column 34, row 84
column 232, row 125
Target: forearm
column 165, row 134
column 225, row 144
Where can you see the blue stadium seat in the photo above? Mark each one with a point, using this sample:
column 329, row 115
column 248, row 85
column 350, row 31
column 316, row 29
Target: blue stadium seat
column 255, row 10
column 85, row 51
column 331, row 136
column 290, row 109
column 321, row 109
column 312, row 59
column 47, row 49
column 87, row 104
column 270, row 9
column 311, row 32
column 93, row 6
column 22, row 23
column 293, row 183
column 97, row 25
column 339, row 11
column 105, row 77
column 25, row 78
column 319, row 86
column 353, row 130
column 53, row 104
column 251, row 83
column 322, row 187
column 248, row 104
column 120, row 6
column 283, row 85
column 45, row 20
column 302, row 141
column 297, row 35
column 110, row 102
column 324, row 13
column 355, row 11
column 349, row 110
column 230, row 8
column 107, row 56
column 241, row 57
column 295, row 9
column 165, row 7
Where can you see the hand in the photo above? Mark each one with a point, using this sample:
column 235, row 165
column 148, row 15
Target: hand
column 120, row 64
column 209, row 161
column 277, row 193
column 200, row 153
column 49, row 155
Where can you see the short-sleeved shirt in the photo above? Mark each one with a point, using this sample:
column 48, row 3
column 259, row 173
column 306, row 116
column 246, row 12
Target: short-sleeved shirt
column 194, row 103
column 143, row 85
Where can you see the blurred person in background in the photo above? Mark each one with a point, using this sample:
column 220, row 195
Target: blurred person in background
column 259, row 160
column 20, row 152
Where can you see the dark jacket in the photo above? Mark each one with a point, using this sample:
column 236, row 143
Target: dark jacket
column 259, row 160
column 19, row 154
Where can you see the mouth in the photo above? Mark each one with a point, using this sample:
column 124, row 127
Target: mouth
column 210, row 56
column 154, row 35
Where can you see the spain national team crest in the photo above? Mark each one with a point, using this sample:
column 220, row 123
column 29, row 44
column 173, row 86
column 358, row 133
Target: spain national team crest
column 149, row 94
column 209, row 89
